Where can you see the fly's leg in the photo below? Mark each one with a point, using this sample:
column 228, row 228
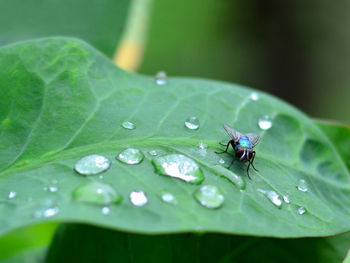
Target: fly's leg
column 253, row 161
column 228, row 144
column 233, row 160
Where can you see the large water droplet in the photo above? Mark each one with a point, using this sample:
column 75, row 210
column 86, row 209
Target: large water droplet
column 254, row 96
column 130, row 156
column 138, row 198
column 128, row 125
column 272, row 196
column 106, row 210
column 231, row 176
column 301, row 210
column 265, row 122
column 169, row 198
column 209, row 196
column 92, row 164
column 179, row 166
column 97, row 193
column 286, row 199
column 12, row 194
column 302, row 185
column 161, row 78
column 192, row 123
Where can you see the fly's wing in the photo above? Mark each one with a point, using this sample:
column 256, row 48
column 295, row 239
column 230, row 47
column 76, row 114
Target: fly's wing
column 253, row 138
column 235, row 135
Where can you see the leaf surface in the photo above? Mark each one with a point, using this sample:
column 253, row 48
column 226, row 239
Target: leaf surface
column 61, row 100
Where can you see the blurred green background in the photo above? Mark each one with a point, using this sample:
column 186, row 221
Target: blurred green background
column 297, row 50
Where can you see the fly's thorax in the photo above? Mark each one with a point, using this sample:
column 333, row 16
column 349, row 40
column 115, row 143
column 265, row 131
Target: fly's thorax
column 243, row 143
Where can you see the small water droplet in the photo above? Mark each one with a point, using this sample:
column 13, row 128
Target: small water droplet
column 53, row 188
column 130, row 156
column 302, row 186
column 254, row 96
column 138, row 198
column 161, row 78
column 272, row 196
column 301, row 210
column 169, row 198
column 179, row 166
column 128, row 125
column 231, row 176
column 45, row 188
column 106, row 210
column 192, row 123
column 153, row 152
column 221, row 161
column 12, row 194
column 92, row 164
column 203, row 148
column 286, row 199
column 265, row 122
column 97, row 193
column 47, row 213
column 209, row 196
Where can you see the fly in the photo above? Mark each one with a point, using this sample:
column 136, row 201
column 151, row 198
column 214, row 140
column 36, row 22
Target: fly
column 243, row 145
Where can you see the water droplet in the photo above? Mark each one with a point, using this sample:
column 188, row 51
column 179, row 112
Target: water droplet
column 106, row 210
column 92, row 164
column 272, row 196
column 231, row 176
column 179, row 166
column 100, row 177
column 128, row 125
column 286, row 199
column 138, row 198
column 265, row 122
column 12, row 194
column 209, row 196
column 97, row 193
column 47, row 213
column 153, row 152
column 130, row 156
column 301, row 210
column 221, row 161
column 254, row 96
column 169, row 198
column 192, row 123
column 302, row 186
column 53, row 188
column 161, row 78
column 203, row 148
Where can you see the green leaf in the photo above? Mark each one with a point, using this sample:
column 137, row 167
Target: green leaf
column 101, row 23
column 339, row 135
column 92, row 244
column 61, row 100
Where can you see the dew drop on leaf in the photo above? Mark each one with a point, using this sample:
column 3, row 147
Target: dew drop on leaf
column 12, row 194
column 97, row 193
column 272, row 196
column 128, row 125
column 265, row 122
column 286, row 199
column 169, row 198
column 301, row 210
column 53, row 188
column 92, row 164
column 161, row 78
column 302, row 185
column 130, row 156
column 254, row 96
column 138, row 198
column 209, row 196
column 153, row 152
column 179, row 166
column 221, row 161
column 192, row 123
column 47, row 213
column 105, row 210
column 231, row 176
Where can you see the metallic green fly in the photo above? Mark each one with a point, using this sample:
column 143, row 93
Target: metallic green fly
column 243, row 145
